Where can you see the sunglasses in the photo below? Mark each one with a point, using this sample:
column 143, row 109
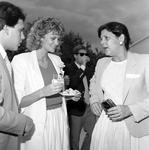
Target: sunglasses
column 82, row 54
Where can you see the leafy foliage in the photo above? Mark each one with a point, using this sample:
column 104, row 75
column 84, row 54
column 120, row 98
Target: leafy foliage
column 70, row 41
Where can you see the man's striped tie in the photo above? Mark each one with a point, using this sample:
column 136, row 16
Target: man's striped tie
column 86, row 93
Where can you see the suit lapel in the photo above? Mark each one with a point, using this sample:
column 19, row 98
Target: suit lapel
column 5, row 67
column 55, row 62
column 75, row 66
column 36, row 73
column 9, row 83
column 36, row 69
column 130, row 69
column 99, row 77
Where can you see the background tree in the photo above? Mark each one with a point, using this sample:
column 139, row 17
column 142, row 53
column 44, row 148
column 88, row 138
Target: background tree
column 70, row 40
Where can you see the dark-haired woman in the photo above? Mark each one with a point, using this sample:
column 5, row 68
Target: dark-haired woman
column 122, row 77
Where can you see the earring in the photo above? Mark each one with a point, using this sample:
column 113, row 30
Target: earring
column 121, row 43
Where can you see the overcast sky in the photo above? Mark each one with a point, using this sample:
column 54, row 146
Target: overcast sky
column 85, row 16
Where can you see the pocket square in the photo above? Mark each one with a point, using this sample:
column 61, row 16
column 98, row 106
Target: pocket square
column 132, row 76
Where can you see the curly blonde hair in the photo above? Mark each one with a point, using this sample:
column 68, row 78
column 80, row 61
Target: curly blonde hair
column 40, row 28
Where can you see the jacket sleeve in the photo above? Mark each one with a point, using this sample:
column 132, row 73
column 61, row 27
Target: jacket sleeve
column 11, row 122
column 140, row 108
column 19, row 76
column 94, row 88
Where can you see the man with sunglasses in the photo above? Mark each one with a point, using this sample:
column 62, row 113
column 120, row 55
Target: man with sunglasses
column 80, row 115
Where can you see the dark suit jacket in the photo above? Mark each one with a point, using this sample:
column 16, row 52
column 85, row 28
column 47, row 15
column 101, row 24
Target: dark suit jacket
column 11, row 123
column 76, row 82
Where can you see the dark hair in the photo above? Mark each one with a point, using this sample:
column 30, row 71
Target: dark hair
column 10, row 14
column 40, row 28
column 117, row 29
column 78, row 48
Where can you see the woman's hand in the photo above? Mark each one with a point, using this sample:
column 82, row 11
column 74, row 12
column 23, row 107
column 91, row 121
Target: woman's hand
column 96, row 108
column 119, row 113
column 51, row 89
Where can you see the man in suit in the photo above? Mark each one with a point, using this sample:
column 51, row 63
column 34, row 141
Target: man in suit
column 80, row 115
column 12, row 123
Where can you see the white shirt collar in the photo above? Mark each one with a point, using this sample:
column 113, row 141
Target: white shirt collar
column 77, row 65
column 2, row 51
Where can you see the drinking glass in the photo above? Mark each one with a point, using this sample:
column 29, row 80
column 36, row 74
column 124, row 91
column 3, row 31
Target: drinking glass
column 58, row 79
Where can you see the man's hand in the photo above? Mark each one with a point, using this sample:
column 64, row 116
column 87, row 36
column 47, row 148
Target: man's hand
column 85, row 60
column 96, row 108
column 29, row 125
column 74, row 98
column 66, row 80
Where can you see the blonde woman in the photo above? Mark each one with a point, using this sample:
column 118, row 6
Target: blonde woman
column 39, row 97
